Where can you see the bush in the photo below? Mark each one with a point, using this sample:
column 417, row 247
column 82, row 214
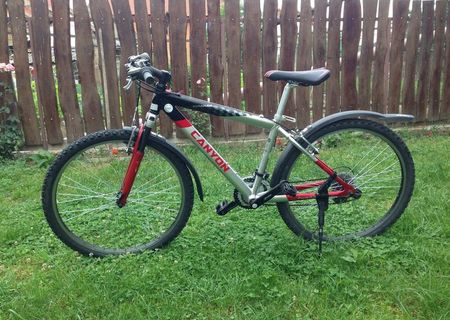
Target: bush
column 200, row 121
column 42, row 159
column 10, row 134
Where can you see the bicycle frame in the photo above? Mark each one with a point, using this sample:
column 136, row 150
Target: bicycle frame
column 168, row 101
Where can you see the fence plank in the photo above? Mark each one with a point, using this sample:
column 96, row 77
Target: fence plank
column 178, row 54
column 412, row 41
column 26, row 107
column 233, row 52
column 269, row 55
column 160, row 57
column 103, row 21
column 42, row 61
column 92, row 109
column 66, row 82
column 215, row 63
column 436, row 67
column 350, row 41
column 366, row 58
column 144, row 44
column 378, row 89
column 197, row 47
column 7, row 95
column 288, row 18
column 127, row 38
column 399, row 24
column 424, row 71
column 252, row 59
column 319, row 54
column 444, row 113
column 143, row 27
column 333, row 103
column 304, row 62
column 177, row 32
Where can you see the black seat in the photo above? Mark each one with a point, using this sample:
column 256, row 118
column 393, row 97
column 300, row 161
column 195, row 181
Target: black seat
column 304, row 78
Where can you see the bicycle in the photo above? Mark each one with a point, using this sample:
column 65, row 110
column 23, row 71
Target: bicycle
column 347, row 165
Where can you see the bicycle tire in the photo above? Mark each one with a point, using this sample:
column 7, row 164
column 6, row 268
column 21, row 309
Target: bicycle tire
column 65, row 167
column 364, row 131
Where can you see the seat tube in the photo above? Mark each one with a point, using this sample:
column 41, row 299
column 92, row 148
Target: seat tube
column 271, row 138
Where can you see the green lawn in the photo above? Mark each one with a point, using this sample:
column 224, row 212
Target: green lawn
column 246, row 265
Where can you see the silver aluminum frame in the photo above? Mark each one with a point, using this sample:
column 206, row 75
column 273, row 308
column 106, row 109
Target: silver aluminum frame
column 258, row 121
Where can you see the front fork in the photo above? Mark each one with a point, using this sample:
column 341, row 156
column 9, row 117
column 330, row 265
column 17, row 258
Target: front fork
column 137, row 155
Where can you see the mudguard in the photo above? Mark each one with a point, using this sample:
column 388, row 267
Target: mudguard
column 355, row 114
column 161, row 140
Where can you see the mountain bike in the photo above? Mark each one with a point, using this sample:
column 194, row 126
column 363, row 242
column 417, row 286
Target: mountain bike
column 129, row 190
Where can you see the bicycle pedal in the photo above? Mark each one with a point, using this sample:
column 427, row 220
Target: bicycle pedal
column 288, row 189
column 224, row 207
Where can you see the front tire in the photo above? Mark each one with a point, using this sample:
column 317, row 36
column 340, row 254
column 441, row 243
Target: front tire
column 80, row 189
column 367, row 154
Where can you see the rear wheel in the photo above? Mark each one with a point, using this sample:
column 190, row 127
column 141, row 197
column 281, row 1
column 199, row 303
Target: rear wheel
column 79, row 196
column 367, row 155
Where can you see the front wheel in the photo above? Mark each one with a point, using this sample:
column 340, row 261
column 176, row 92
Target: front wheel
column 365, row 154
column 80, row 191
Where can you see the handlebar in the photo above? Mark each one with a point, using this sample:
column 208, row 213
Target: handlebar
column 140, row 68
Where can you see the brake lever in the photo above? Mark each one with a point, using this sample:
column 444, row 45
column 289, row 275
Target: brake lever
column 127, row 86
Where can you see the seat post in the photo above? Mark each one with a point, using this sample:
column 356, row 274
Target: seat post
column 283, row 101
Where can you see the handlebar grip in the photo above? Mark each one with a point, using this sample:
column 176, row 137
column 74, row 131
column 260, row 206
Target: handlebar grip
column 157, row 73
column 150, row 75
column 162, row 75
column 147, row 76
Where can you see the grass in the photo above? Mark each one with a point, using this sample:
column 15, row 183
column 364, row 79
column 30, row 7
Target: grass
column 246, row 265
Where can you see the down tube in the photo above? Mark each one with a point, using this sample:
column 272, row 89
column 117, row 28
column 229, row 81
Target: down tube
column 199, row 140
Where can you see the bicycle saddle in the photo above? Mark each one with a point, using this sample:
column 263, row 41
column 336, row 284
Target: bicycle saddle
column 304, row 78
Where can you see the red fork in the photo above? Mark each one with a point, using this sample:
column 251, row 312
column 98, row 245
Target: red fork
column 132, row 170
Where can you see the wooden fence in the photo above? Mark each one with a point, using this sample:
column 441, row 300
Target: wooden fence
column 382, row 58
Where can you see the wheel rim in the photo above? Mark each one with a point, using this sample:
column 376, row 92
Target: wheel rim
column 365, row 159
column 84, row 198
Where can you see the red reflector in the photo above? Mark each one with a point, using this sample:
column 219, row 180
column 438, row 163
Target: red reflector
column 183, row 123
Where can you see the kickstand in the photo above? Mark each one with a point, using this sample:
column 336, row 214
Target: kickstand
column 322, row 199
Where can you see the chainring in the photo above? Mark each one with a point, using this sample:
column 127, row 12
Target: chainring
column 265, row 185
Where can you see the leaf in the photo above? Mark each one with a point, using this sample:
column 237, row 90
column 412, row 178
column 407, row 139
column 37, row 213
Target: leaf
column 348, row 259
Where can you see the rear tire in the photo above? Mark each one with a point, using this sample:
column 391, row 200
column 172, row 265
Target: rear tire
column 366, row 153
column 80, row 188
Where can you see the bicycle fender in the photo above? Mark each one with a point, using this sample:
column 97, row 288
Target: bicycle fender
column 328, row 120
column 156, row 138
column 356, row 114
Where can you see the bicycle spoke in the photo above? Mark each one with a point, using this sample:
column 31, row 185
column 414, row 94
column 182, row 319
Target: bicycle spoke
column 374, row 166
column 379, row 173
column 139, row 200
column 373, row 174
column 153, row 185
column 104, row 196
column 367, row 153
column 381, row 187
column 80, row 186
column 85, row 211
column 91, row 176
